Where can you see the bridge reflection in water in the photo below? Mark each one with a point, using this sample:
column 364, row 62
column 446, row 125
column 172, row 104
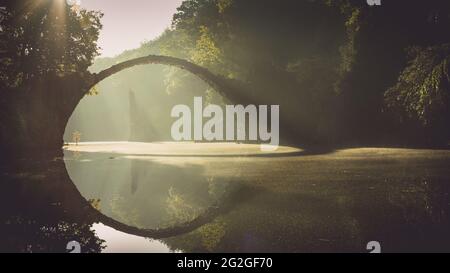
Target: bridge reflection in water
column 227, row 197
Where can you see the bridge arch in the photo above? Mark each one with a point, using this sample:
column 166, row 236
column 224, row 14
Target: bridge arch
column 218, row 83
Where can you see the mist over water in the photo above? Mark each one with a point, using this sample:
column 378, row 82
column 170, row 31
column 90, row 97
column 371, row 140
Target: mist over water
column 288, row 201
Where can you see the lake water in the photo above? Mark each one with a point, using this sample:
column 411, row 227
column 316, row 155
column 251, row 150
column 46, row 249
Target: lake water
column 290, row 200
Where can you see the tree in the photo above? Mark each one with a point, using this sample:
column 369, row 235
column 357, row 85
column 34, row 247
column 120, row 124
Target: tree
column 43, row 37
column 374, row 55
column 421, row 97
column 284, row 52
column 45, row 50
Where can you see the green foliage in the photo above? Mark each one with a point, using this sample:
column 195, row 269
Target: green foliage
column 206, row 51
column 348, row 51
column 327, row 63
column 285, row 52
column 422, row 93
column 373, row 57
column 44, row 37
column 93, row 91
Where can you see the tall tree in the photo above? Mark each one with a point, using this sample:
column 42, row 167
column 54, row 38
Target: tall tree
column 45, row 50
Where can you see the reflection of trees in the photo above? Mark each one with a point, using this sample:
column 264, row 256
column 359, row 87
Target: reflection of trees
column 123, row 212
column 419, row 213
column 266, row 220
column 178, row 208
column 149, row 201
column 95, row 203
column 205, row 238
column 405, row 214
column 422, row 200
column 182, row 208
column 217, row 188
column 27, row 234
column 165, row 195
column 40, row 213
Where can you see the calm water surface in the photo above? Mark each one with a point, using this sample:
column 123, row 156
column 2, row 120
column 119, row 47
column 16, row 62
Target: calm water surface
column 288, row 201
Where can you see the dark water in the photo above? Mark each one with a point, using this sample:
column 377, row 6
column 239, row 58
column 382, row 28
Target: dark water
column 335, row 202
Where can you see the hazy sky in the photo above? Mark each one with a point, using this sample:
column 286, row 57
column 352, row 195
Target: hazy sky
column 128, row 23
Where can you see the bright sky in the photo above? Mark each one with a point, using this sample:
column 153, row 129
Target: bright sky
column 128, row 23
